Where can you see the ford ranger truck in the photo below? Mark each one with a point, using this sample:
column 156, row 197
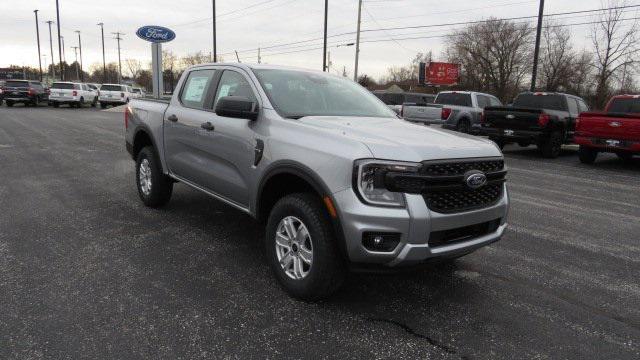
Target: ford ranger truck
column 340, row 182
column 545, row 119
column 616, row 130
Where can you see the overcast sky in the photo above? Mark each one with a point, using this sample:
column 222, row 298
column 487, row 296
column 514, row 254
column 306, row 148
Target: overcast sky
column 245, row 25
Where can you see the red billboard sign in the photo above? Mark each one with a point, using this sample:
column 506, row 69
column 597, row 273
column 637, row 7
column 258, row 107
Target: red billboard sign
column 440, row 73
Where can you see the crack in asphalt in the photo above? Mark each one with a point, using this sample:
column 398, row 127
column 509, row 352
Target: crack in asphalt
column 411, row 331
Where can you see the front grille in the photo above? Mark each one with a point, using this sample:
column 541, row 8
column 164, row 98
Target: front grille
column 452, row 236
column 449, row 201
column 460, row 167
column 447, row 191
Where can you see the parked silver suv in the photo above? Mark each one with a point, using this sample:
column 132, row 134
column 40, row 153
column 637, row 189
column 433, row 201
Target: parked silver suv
column 338, row 179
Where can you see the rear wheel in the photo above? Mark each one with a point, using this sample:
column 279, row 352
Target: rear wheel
column 154, row 187
column 301, row 248
column 56, row 104
column 551, row 147
column 523, row 143
column 463, row 126
column 9, row 103
column 95, row 101
column 103, row 106
column 587, row 155
column 627, row 157
column 35, row 102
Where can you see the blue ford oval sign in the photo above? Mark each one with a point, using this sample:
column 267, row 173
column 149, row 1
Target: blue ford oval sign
column 156, row 34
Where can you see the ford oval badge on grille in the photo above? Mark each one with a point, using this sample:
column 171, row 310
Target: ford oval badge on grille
column 475, row 179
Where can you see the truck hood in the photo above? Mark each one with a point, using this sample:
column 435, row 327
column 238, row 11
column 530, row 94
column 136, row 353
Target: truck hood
column 395, row 139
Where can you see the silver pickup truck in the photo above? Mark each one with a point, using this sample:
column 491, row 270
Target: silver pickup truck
column 340, row 182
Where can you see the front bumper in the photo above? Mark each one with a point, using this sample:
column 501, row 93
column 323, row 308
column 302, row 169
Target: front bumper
column 415, row 224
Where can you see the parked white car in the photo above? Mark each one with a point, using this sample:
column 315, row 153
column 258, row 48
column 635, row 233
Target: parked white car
column 138, row 93
column 114, row 94
column 72, row 94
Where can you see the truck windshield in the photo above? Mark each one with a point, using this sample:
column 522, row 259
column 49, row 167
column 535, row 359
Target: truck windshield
column 457, row 99
column 62, row 86
column 533, row 101
column 624, row 105
column 296, row 94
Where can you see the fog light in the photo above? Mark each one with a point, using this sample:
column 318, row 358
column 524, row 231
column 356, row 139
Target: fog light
column 381, row 242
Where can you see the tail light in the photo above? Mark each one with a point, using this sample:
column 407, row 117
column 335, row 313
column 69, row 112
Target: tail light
column 121, row 94
column 74, row 93
column 543, row 120
column 444, row 115
column 31, row 92
column 127, row 112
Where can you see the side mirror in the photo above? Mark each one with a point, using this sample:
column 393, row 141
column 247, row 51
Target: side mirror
column 237, row 107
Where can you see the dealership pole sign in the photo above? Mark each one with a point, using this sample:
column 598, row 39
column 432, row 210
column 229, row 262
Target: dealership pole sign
column 156, row 35
column 439, row 73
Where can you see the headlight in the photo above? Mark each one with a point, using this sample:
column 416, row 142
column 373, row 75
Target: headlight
column 369, row 177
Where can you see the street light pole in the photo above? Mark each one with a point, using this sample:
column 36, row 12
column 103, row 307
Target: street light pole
column 215, row 50
column 59, row 40
column 104, row 62
column 355, row 70
column 75, row 50
column 117, row 34
column 80, row 47
column 536, row 51
column 38, row 38
column 324, row 51
column 53, row 60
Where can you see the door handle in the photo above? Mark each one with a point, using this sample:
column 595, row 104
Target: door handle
column 207, row 126
column 172, row 118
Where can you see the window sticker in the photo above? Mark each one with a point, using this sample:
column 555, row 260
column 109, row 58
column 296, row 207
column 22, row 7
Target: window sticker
column 196, row 88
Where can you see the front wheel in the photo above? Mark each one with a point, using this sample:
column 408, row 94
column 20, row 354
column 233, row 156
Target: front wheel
column 154, row 187
column 587, row 155
column 301, row 248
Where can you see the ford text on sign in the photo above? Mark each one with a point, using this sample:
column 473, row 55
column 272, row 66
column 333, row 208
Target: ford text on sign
column 156, row 34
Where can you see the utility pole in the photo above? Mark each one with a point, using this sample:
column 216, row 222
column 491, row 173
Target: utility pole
column 104, row 62
column 237, row 57
column 53, row 60
column 355, row 69
column 64, row 56
column 75, row 50
column 80, row 47
column 215, row 51
column 324, row 51
column 117, row 34
column 536, row 51
column 259, row 59
column 59, row 40
column 38, row 38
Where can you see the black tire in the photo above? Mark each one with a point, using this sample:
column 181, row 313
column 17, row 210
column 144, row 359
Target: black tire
column 463, row 126
column 587, row 155
column 626, row 157
column 35, row 102
column 523, row 143
column 56, row 104
column 161, row 185
column 552, row 146
column 103, row 106
column 80, row 103
column 9, row 103
column 95, row 101
column 327, row 271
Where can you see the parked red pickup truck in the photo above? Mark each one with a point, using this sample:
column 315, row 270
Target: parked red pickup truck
column 615, row 130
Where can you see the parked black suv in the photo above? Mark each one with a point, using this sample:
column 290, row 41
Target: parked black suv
column 547, row 119
column 28, row 92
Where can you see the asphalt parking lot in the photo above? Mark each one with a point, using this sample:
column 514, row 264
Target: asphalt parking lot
column 86, row 271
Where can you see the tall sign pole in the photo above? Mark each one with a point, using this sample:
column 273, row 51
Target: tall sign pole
column 38, row 38
column 215, row 50
column 104, row 62
column 53, row 60
column 536, row 51
column 59, row 40
column 156, row 35
column 324, row 51
column 355, row 69
column 80, row 47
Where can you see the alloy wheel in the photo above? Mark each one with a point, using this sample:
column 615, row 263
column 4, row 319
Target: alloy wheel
column 294, row 248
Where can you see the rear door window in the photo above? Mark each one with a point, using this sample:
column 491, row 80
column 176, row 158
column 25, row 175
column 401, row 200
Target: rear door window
column 457, row 99
column 573, row 106
column 195, row 89
column 582, row 106
column 483, row 101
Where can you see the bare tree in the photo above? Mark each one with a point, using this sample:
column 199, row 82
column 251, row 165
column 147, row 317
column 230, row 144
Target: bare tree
column 581, row 78
column 495, row 56
column 556, row 62
column 194, row 59
column 134, row 66
column 615, row 48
